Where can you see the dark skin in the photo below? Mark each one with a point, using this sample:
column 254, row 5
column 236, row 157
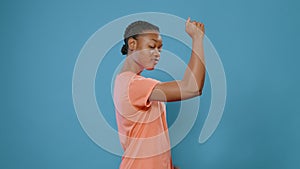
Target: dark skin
column 144, row 53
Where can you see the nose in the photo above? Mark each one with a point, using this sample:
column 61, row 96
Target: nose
column 156, row 52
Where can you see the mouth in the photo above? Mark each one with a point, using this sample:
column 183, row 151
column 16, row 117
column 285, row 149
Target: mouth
column 156, row 61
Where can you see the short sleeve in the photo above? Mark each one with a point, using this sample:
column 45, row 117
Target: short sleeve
column 140, row 90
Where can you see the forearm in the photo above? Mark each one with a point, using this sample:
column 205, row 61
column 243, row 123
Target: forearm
column 193, row 80
column 195, row 72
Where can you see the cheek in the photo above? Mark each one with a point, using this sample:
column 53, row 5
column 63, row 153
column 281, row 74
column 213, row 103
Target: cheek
column 151, row 52
column 144, row 56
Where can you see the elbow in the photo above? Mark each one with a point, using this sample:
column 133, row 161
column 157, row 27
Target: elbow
column 190, row 91
column 193, row 93
column 198, row 92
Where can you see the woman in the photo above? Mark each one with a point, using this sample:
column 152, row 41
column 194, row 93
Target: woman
column 140, row 111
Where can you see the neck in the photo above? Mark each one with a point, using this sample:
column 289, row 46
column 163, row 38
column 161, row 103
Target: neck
column 131, row 65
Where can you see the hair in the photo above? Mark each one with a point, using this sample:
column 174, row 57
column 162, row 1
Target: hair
column 133, row 30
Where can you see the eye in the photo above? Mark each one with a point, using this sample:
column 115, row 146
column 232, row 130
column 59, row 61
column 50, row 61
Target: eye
column 152, row 47
column 160, row 48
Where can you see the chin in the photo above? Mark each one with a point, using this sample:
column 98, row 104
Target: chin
column 150, row 68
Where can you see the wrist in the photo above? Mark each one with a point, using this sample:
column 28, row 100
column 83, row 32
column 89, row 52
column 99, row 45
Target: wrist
column 197, row 37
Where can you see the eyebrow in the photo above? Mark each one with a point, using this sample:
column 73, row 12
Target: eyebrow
column 154, row 40
column 157, row 41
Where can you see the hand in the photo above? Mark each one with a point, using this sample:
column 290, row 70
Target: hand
column 194, row 29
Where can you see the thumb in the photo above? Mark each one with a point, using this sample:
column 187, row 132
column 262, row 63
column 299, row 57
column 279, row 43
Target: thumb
column 188, row 20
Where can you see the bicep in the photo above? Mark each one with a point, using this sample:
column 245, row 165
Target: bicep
column 171, row 91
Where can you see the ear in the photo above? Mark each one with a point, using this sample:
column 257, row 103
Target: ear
column 132, row 44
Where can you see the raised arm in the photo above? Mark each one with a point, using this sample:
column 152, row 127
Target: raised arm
column 192, row 83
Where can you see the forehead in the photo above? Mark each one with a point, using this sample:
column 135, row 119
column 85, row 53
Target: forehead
column 151, row 36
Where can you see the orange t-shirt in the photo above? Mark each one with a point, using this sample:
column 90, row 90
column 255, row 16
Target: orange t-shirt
column 142, row 124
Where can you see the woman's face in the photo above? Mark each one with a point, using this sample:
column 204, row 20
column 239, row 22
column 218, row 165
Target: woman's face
column 147, row 51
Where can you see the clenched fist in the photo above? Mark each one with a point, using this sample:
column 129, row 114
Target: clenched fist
column 194, row 29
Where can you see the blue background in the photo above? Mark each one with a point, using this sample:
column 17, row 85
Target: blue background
column 258, row 42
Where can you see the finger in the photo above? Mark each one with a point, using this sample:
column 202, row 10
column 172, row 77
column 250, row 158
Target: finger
column 203, row 28
column 198, row 24
column 188, row 20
